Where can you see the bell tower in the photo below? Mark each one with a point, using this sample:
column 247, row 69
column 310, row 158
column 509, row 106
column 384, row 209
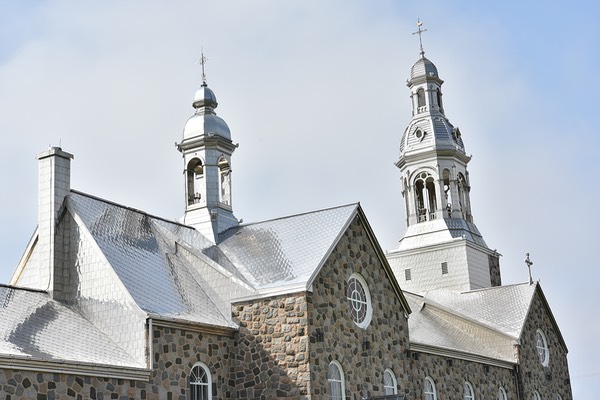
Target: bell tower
column 207, row 148
column 442, row 247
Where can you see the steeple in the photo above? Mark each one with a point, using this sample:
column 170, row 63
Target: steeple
column 436, row 191
column 207, row 150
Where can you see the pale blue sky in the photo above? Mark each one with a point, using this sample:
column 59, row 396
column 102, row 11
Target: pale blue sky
column 315, row 93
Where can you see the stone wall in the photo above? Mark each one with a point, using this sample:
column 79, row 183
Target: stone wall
column 271, row 350
column 554, row 378
column 364, row 354
column 450, row 374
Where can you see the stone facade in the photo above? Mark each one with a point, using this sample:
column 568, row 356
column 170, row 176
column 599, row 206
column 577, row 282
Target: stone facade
column 271, row 350
column 364, row 354
column 548, row 380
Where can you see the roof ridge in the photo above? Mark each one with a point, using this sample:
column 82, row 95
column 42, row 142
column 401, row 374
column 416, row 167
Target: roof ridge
column 495, row 287
column 137, row 210
column 356, row 204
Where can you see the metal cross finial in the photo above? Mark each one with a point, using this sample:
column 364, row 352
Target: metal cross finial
column 202, row 62
column 529, row 264
column 420, row 32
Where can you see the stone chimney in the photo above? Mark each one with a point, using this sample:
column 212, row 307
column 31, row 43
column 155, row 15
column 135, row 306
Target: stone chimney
column 54, row 184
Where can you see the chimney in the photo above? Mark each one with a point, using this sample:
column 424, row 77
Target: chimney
column 54, row 184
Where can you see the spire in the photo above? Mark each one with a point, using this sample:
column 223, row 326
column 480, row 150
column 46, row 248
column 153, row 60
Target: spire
column 207, row 149
column 436, row 190
column 420, row 32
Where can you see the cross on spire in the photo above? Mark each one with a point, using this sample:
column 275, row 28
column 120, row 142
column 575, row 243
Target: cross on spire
column 420, row 32
column 202, row 61
column 529, row 264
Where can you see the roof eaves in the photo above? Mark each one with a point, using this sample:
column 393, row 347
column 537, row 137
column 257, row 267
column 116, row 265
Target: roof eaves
column 445, row 352
column 74, row 368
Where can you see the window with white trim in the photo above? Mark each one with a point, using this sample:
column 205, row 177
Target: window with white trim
column 558, row 397
column 541, row 345
column 468, row 393
column 502, row 394
column 390, row 384
column 429, row 392
column 359, row 301
column 200, row 382
column 335, row 381
column 535, row 396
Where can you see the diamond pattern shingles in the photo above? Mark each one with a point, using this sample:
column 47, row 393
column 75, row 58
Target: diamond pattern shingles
column 146, row 261
column 287, row 250
column 503, row 307
column 34, row 325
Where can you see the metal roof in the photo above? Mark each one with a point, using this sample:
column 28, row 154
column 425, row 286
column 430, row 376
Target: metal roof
column 476, row 322
column 285, row 251
column 160, row 279
column 33, row 325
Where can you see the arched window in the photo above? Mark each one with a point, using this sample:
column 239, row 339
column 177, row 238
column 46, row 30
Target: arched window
column 224, row 181
column 335, row 381
column 535, row 395
column 420, row 98
column 200, row 382
column 439, row 98
column 468, row 393
column 542, row 347
column 425, row 197
column 390, row 384
column 429, row 392
column 502, row 394
column 195, row 175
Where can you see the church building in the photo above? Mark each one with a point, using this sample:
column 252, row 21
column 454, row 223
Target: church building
column 110, row 302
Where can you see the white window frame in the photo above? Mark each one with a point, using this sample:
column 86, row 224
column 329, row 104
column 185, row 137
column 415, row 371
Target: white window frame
column 468, row 392
column 535, row 395
column 367, row 303
column 390, row 385
column 337, row 380
column 429, row 392
column 502, row 394
column 196, row 385
column 541, row 345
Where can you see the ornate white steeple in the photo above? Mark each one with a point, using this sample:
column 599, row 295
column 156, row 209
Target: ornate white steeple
column 442, row 246
column 207, row 150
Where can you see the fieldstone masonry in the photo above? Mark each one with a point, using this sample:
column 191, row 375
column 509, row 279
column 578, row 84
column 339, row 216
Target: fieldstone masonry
column 285, row 344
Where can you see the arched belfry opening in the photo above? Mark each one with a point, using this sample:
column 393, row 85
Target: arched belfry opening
column 224, row 181
column 420, row 98
column 463, row 197
column 195, row 181
column 425, row 197
column 447, row 191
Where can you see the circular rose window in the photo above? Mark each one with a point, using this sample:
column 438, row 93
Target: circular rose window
column 359, row 301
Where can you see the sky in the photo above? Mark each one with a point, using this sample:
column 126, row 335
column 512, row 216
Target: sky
column 315, row 94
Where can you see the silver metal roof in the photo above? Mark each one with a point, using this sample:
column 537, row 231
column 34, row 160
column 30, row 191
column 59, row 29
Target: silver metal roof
column 476, row 322
column 423, row 67
column 440, row 231
column 160, row 279
column 33, row 325
column 285, row 251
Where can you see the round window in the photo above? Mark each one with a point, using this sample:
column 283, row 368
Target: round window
column 359, row 301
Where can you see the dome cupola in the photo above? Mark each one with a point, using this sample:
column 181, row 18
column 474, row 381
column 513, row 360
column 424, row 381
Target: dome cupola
column 205, row 120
